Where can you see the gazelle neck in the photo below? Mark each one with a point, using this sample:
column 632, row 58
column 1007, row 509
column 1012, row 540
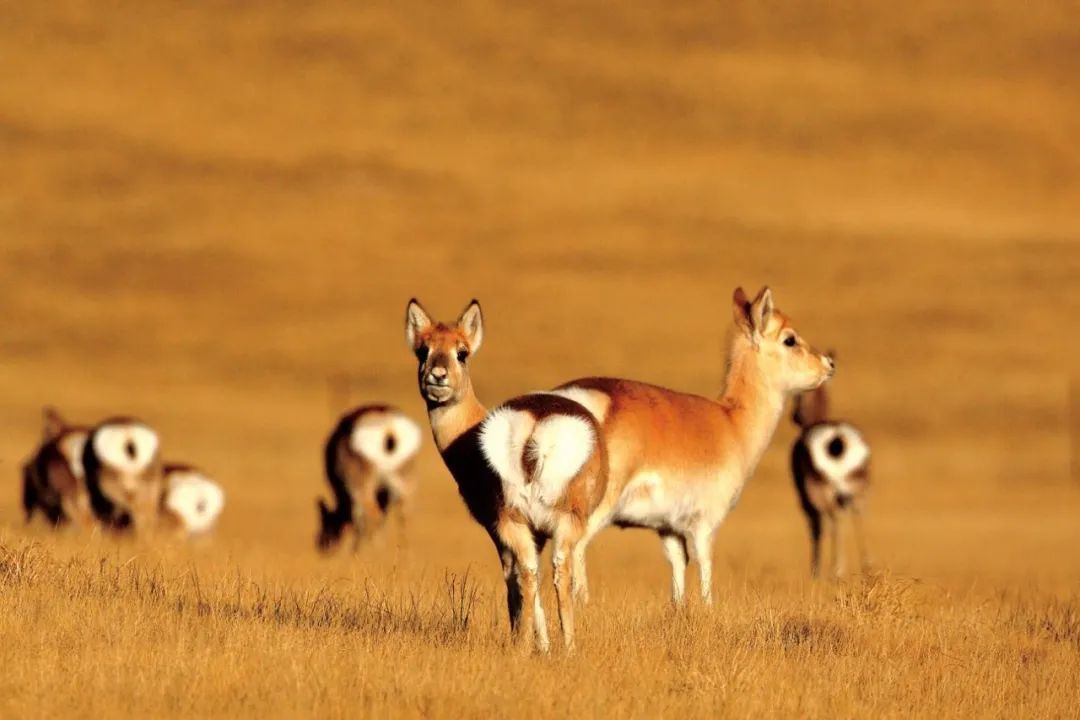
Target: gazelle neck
column 452, row 420
column 752, row 403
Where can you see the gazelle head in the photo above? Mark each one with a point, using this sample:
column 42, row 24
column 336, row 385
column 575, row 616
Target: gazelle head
column 787, row 361
column 124, row 473
column 443, row 351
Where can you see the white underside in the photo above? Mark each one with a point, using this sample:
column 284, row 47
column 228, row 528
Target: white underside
column 561, row 445
column 369, row 440
column 837, row 470
column 663, row 502
column 127, row 448
column 195, row 499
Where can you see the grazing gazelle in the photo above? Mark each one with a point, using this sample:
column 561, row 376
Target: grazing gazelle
column 368, row 460
column 534, row 468
column 678, row 462
column 124, row 474
column 830, row 463
column 53, row 480
column 192, row 502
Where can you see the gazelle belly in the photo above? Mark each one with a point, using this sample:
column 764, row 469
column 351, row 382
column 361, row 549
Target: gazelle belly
column 673, row 502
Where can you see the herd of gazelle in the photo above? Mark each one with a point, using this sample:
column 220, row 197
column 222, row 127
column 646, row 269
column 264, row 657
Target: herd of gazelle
column 559, row 465
column 112, row 476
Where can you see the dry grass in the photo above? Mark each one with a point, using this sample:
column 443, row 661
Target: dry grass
column 213, row 216
column 177, row 636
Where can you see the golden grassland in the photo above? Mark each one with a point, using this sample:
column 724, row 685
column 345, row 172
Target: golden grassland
column 212, row 217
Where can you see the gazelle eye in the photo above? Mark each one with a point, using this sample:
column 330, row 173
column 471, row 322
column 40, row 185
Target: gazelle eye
column 790, row 341
column 462, row 356
column 422, row 353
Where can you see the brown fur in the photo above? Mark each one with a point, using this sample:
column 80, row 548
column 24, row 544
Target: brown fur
column 687, row 440
column 49, row 485
column 443, row 351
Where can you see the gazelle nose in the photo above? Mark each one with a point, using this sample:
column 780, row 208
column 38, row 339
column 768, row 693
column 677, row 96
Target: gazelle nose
column 438, row 372
column 830, row 363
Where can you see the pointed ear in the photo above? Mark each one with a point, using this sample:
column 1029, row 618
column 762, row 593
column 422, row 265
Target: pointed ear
column 417, row 322
column 741, row 312
column 471, row 323
column 762, row 309
column 53, row 423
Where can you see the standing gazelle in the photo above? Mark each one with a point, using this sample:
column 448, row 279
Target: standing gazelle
column 192, row 501
column 53, row 478
column 678, row 462
column 830, row 463
column 368, row 461
column 534, row 468
column 124, row 474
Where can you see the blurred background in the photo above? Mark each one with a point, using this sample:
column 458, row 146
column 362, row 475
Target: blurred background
column 213, row 214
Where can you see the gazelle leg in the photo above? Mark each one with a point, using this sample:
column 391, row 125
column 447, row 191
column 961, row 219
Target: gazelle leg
column 702, row 551
column 521, row 543
column 860, row 537
column 813, row 517
column 513, row 589
column 579, row 583
column 675, row 552
column 567, row 537
column 838, row 556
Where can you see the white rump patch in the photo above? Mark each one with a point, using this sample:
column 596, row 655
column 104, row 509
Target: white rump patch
column 561, row 446
column 595, row 401
column 558, row 447
column 71, row 446
column 195, row 499
column 127, row 448
column 386, row 440
column 854, row 455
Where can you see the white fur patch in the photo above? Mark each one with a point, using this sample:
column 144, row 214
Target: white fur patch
column 595, row 401
column 71, row 446
column 195, row 499
column 386, row 440
column 559, row 446
column 855, row 455
column 127, row 448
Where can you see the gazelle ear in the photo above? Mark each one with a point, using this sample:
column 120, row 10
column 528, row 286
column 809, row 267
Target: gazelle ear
column 471, row 323
column 762, row 310
column 53, row 423
column 741, row 312
column 417, row 322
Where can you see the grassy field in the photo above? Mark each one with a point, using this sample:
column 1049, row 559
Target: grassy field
column 212, row 217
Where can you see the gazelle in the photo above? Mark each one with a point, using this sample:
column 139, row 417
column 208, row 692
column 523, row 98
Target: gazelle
column 678, row 462
column 368, row 460
column 192, row 502
column 830, row 463
column 532, row 469
column 124, row 474
column 53, row 479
